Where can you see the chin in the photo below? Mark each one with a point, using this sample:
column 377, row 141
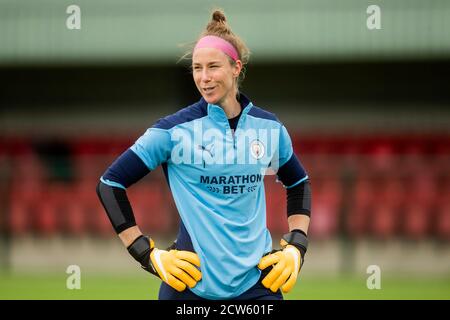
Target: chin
column 212, row 99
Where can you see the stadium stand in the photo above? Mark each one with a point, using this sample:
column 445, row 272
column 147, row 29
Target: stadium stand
column 364, row 186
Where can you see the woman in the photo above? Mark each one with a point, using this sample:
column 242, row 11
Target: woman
column 214, row 154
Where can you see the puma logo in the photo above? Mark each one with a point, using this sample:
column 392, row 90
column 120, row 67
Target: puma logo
column 208, row 149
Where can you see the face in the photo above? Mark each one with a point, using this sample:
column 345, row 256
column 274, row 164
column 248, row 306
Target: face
column 214, row 75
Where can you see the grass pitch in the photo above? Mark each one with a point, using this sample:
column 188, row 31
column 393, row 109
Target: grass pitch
column 143, row 286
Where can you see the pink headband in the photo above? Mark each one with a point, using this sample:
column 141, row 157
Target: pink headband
column 218, row 43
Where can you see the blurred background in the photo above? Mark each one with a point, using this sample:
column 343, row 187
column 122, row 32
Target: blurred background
column 368, row 112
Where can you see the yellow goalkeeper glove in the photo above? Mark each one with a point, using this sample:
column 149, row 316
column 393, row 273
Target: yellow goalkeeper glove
column 286, row 262
column 176, row 268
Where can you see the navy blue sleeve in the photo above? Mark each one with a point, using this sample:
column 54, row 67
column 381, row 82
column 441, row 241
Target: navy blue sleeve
column 117, row 206
column 126, row 170
column 299, row 199
column 292, row 172
column 123, row 172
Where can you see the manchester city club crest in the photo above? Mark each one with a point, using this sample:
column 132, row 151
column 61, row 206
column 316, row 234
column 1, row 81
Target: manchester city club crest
column 257, row 149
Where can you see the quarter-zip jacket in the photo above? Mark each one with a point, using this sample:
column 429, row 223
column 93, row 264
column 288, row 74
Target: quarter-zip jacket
column 217, row 182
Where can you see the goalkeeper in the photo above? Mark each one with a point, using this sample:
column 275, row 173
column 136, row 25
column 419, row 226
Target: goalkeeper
column 214, row 154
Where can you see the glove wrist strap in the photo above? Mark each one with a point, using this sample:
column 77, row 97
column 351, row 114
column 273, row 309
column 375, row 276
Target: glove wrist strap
column 140, row 250
column 298, row 239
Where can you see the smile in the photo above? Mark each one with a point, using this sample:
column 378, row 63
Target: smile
column 209, row 89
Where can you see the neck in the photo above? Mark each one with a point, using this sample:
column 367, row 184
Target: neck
column 231, row 106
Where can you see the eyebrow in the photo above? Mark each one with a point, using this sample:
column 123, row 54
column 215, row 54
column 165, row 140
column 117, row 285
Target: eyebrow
column 209, row 63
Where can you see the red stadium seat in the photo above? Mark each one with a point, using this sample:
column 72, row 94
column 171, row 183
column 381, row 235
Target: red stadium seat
column 383, row 222
column 25, row 192
column 442, row 219
column 76, row 219
column 71, row 207
column 96, row 221
column 151, row 210
column 387, row 209
column 417, row 221
column 420, row 201
column 326, row 205
column 56, row 212
column 29, row 168
column 22, row 205
column 443, row 223
column 46, row 217
column 360, row 208
column 90, row 167
column 19, row 220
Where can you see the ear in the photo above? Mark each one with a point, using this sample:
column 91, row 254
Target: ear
column 237, row 68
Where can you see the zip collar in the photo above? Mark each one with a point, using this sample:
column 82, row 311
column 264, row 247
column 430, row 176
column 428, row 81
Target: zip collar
column 216, row 112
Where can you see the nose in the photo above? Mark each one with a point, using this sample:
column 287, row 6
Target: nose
column 206, row 76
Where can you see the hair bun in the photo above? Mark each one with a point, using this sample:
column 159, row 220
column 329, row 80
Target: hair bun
column 219, row 16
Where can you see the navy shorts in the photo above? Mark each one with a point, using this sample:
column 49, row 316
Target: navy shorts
column 257, row 292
